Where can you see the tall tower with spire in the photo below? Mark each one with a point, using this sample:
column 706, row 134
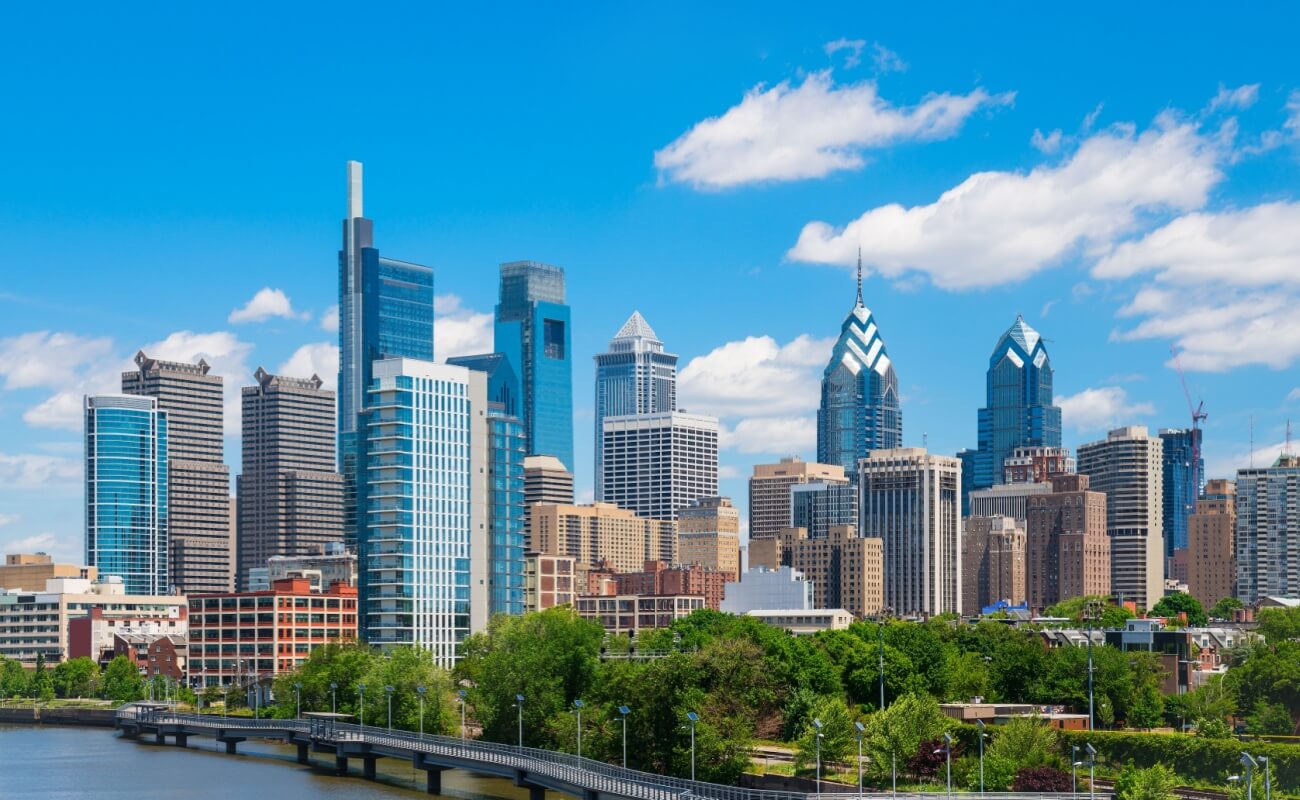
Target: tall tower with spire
column 635, row 376
column 859, row 409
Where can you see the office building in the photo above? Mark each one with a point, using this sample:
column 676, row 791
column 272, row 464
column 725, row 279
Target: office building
column 1268, row 530
column 1182, row 479
column 545, row 481
column 1068, row 553
column 424, row 557
column 41, row 622
column 31, row 570
column 635, row 376
column 657, row 464
column 708, row 535
column 385, row 311
column 846, row 570
column 910, row 499
column 533, row 332
column 993, row 562
column 330, row 564
column 549, row 581
column 128, row 492
column 502, row 382
column 290, row 499
column 1006, row 500
column 859, row 409
column 778, row 588
column 238, row 636
column 1036, row 464
column 198, row 483
column 819, row 506
column 507, row 533
column 1211, row 555
column 1128, row 467
column 601, row 532
column 769, row 492
column 1018, row 409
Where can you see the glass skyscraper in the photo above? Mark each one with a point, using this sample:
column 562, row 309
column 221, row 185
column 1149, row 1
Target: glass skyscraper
column 506, row 452
column 1184, row 476
column 126, row 491
column 1018, row 411
column 635, row 376
column 532, row 332
column 385, row 311
column 859, row 409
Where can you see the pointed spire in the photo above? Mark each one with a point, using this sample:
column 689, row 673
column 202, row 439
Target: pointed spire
column 859, row 275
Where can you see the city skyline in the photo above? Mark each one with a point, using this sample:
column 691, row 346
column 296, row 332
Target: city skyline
column 240, row 263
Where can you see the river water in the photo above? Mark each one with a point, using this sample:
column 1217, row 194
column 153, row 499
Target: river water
column 54, row 763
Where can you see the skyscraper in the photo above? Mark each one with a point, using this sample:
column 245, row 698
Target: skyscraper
column 1018, row 409
column 507, row 529
column 1068, row 551
column 657, row 464
column 708, row 535
column 385, row 311
column 820, row 505
column 423, row 556
column 909, row 499
column 993, row 562
column 545, row 481
column 635, row 376
column 502, row 382
column 1184, row 472
column 1211, row 558
column 769, row 492
column 1128, row 467
column 1268, row 530
column 198, row 501
column 533, row 332
column 290, row 499
column 859, row 409
column 127, row 491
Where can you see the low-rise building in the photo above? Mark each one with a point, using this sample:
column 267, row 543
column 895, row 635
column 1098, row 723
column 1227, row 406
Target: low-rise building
column 846, row 570
column 330, row 564
column 1173, row 646
column 549, row 581
column 660, row 579
column 156, row 655
column 92, row 635
column 30, row 571
column 805, row 622
column 1002, row 713
column 780, row 589
column 630, row 614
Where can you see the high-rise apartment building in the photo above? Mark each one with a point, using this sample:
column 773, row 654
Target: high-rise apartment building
column 635, row 376
column 1068, row 553
column 1018, row 408
column 993, row 562
column 859, row 409
column 1128, row 467
column 127, row 492
column 198, row 488
column 506, row 521
column 385, row 311
column 545, row 481
column 708, row 535
column 1183, row 474
column 1036, row 464
column 1211, row 555
column 910, row 499
column 424, row 555
column 1268, row 530
column 601, row 532
column 819, row 506
column 657, row 464
column 846, row 570
column 1006, row 499
column 533, row 332
column 290, row 499
column 769, row 492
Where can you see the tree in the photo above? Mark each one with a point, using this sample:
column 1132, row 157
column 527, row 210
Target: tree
column 1154, row 783
column 405, row 669
column 1112, row 616
column 1171, row 605
column 899, row 730
column 1269, row 718
column 1214, row 728
column 121, row 682
column 77, row 677
column 1264, row 675
column 1279, row 624
column 1224, row 608
column 969, row 677
column 838, row 736
column 1042, row 779
column 42, row 684
column 13, row 679
column 1025, row 742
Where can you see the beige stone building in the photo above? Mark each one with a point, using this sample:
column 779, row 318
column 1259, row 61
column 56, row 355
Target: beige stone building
column 30, row 571
column 846, row 570
column 601, row 532
column 769, row 492
column 549, row 581
column 708, row 534
column 1068, row 549
column 1211, row 559
column 993, row 562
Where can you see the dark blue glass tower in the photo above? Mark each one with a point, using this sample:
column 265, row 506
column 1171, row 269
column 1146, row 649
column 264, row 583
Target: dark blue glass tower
column 859, row 409
column 1184, row 476
column 502, row 382
column 532, row 332
column 506, row 446
column 385, row 311
column 1019, row 410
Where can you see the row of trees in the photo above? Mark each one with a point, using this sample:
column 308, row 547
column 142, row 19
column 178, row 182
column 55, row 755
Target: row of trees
column 119, row 682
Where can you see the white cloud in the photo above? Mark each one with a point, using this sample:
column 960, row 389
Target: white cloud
column 1225, row 465
column 886, row 60
column 329, row 320
column 1240, row 98
column 225, row 353
column 1001, row 227
column 787, row 132
column 320, row 359
column 45, row 359
column 1293, row 395
column 1100, row 409
column 34, row 471
column 771, row 435
column 727, row 472
column 8, row 519
column 267, row 303
column 1091, row 118
column 39, row 543
column 1292, row 124
column 853, row 45
column 1046, row 144
column 755, row 377
column 458, row 330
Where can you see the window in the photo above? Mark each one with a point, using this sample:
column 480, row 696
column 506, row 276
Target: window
column 553, row 338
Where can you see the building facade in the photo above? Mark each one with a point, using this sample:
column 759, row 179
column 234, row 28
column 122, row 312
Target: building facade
column 818, row 506
column 776, row 588
column 385, row 311
column 30, row 570
column 769, row 492
column 549, row 581
column 290, row 499
column 545, row 481
column 628, row 615
column 662, row 578
column 128, row 492
column 708, row 535
column 657, row 464
column 1006, row 500
column 1183, row 476
column 993, row 562
column 846, row 570
column 601, row 532
column 1211, row 555
column 533, row 332
column 1037, row 464
column 1128, row 467
column 910, row 500
column 1069, row 551
column 330, row 564
column 1268, row 531
column 507, row 533
column 859, row 409
column 634, row 376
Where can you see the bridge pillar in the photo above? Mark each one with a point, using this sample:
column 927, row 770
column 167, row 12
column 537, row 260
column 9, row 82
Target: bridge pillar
column 302, row 754
column 537, row 793
column 368, row 768
column 159, row 737
column 340, row 765
column 230, row 742
column 433, row 781
column 590, row 794
column 182, row 740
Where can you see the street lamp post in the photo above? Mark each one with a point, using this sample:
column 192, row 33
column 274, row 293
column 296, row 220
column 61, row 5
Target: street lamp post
column 578, row 705
column 1250, row 764
column 947, row 748
column 361, row 689
column 388, row 690
column 693, row 718
column 818, row 725
column 860, row 728
column 1268, row 779
column 623, row 712
column 419, row 690
column 982, row 734
column 1092, row 612
column 462, row 694
column 334, row 698
column 519, row 704
column 1074, row 771
column 297, row 698
column 1092, row 765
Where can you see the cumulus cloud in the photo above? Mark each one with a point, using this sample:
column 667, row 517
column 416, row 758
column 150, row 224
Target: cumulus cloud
column 788, row 132
column 44, row 359
column 320, row 359
column 755, row 377
column 1240, row 98
column 329, row 320
column 770, row 435
column 459, row 330
column 264, row 305
column 1001, row 227
column 36, row 471
column 226, row 354
column 1100, row 409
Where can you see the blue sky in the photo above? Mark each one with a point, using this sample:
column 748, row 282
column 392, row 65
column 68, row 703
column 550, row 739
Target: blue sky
column 1126, row 180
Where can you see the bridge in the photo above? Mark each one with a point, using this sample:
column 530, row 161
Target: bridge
column 535, row 769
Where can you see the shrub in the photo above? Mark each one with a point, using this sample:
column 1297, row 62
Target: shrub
column 1042, row 779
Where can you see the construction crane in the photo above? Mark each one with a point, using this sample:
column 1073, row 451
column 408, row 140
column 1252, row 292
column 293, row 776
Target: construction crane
column 1198, row 415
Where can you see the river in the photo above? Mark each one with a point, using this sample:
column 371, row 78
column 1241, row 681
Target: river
column 56, row 763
